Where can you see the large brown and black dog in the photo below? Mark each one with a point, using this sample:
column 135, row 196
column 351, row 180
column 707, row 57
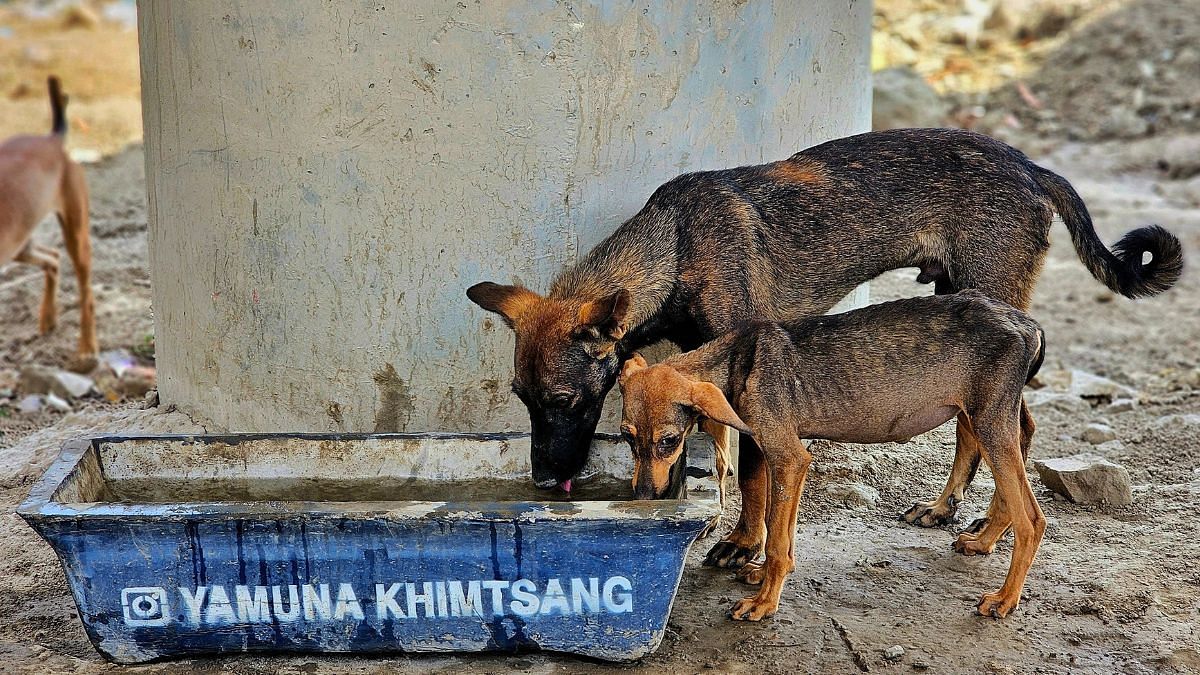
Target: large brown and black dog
column 37, row 178
column 786, row 240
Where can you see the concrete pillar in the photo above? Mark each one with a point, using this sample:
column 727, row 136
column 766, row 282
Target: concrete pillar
column 326, row 179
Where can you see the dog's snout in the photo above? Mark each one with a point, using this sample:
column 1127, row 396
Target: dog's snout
column 643, row 490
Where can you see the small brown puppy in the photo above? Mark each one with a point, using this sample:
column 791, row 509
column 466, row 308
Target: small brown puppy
column 882, row 373
column 38, row 178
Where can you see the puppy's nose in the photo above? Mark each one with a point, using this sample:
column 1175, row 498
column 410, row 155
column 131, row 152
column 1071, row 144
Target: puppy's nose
column 643, row 491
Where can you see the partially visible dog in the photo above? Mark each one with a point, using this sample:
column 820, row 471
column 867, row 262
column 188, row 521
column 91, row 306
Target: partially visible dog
column 882, row 373
column 37, row 178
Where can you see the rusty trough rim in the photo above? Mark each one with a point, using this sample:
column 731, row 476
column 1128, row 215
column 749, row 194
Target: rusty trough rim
column 40, row 506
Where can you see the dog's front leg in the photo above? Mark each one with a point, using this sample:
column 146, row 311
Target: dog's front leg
column 745, row 542
column 720, row 435
column 789, row 468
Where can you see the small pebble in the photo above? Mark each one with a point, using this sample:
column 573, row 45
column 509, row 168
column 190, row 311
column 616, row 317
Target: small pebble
column 30, row 404
column 1121, row 405
column 893, row 653
column 55, row 403
column 1098, row 433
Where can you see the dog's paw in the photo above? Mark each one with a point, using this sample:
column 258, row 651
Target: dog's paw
column 710, row 527
column 47, row 322
column 752, row 573
column 727, row 553
column 753, row 609
column 969, row 544
column 83, row 363
column 977, row 525
column 997, row 605
column 930, row 514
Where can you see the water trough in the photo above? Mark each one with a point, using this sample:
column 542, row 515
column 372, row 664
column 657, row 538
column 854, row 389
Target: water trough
column 183, row 545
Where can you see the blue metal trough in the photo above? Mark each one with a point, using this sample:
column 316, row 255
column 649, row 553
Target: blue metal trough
column 183, row 545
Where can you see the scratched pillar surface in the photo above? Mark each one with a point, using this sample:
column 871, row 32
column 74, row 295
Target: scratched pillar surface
column 326, row 179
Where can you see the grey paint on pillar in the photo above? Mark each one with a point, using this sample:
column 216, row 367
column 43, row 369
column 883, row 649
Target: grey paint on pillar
column 326, row 179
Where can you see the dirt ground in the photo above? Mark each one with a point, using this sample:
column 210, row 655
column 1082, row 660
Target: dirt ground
column 1112, row 590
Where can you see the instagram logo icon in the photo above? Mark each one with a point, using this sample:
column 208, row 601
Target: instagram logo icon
column 145, row 606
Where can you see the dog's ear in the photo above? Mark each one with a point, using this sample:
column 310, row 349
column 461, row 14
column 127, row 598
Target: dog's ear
column 607, row 315
column 510, row 302
column 711, row 402
column 632, row 365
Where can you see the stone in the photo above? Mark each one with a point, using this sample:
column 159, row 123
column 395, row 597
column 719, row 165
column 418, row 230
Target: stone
column 903, row 99
column 1120, row 405
column 30, row 404
column 73, row 385
column 1181, row 158
column 80, row 16
column 1050, row 400
column 135, row 382
column 55, row 403
column 1089, row 386
column 854, row 495
column 893, row 653
column 117, row 360
column 37, row 379
column 1086, row 479
column 1177, row 422
column 1098, row 433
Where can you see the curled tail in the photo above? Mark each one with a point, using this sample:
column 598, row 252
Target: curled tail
column 1121, row 269
column 58, row 104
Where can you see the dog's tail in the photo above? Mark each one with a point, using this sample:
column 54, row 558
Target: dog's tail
column 1121, row 269
column 58, row 104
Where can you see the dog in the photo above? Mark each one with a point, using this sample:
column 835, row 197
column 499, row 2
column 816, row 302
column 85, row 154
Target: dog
column 784, row 241
column 883, row 373
column 37, row 178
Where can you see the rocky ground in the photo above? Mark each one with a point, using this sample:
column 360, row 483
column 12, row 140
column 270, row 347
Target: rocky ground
column 1114, row 588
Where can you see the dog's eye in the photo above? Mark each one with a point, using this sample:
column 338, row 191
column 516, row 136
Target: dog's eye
column 560, row 400
column 668, row 442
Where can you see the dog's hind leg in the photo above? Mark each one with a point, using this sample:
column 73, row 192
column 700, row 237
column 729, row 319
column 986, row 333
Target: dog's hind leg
column 745, row 542
column 1000, row 435
column 1027, row 429
column 1011, row 282
column 47, row 259
column 77, row 236
column 982, row 541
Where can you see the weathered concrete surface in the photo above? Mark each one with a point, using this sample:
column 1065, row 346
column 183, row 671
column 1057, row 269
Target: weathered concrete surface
column 326, row 179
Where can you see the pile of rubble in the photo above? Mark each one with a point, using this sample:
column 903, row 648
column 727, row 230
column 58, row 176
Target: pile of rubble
column 1078, row 69
column 35, row 387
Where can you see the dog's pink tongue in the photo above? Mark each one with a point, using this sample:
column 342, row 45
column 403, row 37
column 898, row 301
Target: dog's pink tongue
column 566, row 486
